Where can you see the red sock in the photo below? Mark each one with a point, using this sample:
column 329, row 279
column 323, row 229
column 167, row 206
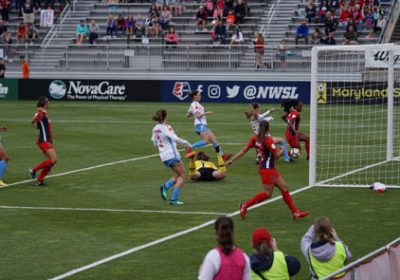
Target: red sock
column 308, row 147
column 43, row 165
column 43, row 174
column 289, row 202
column 257, row 199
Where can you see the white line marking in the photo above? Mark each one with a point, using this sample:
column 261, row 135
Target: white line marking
column 98, row 166
column 109, row 210
column 161, row 240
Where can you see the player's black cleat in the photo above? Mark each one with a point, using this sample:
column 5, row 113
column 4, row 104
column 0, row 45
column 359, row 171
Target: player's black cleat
column 32, row 173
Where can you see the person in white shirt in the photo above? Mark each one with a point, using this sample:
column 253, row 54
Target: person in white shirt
column 165, row 139
column 255, row 117
column 237, row 37
column 226, row 261
column 200, row 126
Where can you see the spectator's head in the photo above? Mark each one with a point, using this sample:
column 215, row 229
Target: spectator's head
column 139, row 17
column 303, row 22
column 351, row 28
column 171, row 29
column 22, row 59
column 195, row 95
column 165, row 8
column 201, row 8
column 323, row 229
column 160, row 116
column 110, row 17
column 260, row 36
column 240, row 2
column 230, row 12
column 203, row 156
column 224, row 231
column 82, row 22
column 331, row 35
column 328, row 14
column 261, row 240
column 93, row 22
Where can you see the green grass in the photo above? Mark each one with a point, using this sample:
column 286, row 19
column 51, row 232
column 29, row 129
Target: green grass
column 38, row 244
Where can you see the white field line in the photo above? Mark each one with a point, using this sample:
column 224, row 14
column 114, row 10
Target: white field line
column 100, row 166
column 109, row 210
column 161, row 240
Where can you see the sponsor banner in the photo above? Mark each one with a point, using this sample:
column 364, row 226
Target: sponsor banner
column 46, row 18
column 236, row 91
column 8, row 89
column 90, row 90
column 355, row 93
column 380, row 59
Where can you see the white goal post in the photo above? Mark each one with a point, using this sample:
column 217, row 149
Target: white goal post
column 355, row 116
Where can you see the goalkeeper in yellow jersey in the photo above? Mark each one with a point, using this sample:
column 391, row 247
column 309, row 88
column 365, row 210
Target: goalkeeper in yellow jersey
column 201, row 169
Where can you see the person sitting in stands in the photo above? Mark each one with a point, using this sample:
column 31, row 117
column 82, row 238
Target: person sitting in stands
column 201, row 18
column 32, row 34
column 220, row 33
column 21, row 33
column 121, row 25
column 171, row 37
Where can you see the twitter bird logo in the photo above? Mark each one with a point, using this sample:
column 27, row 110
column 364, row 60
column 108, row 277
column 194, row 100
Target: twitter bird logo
column 232, row 92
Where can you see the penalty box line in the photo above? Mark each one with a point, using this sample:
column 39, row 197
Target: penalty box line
column 99, row 166
column 162, row 240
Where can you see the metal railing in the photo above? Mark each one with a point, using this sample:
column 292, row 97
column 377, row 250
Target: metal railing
column 56, row 28
column 138, row 57
column 270, row 16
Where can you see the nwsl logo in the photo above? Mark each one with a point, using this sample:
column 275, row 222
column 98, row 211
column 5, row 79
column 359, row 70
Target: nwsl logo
column 181, row 90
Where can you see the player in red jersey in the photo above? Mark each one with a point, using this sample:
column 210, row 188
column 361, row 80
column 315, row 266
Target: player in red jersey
column 293, row 135
column 44, row 141
column 270, row 177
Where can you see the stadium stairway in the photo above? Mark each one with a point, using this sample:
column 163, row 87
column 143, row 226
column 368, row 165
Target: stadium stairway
column 396, row 33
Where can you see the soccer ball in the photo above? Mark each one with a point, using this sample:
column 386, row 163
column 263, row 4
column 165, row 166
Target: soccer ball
column 294, row 153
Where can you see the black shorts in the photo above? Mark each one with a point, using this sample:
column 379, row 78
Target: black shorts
column 206, row 174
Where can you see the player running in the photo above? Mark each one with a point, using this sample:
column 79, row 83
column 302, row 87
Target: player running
column 165, row 139
column 3, row 159
column 204, row 170
column 270, row 177
column 293, row 135
column 200, row 126
column 44, row 141
column 256, row 118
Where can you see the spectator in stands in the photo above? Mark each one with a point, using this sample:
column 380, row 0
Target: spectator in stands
column 209, row 6
column 111, row 30
column 229, row 5
column 121, row 25
column 177, row 7
column 153, row 11
column 218, row 14
column 5, row 36
column 329, row 40
column 2, row 68
column 21, row 33
column 358, row 17
column 221, row 5
column 323, row 249
column 240, row 11
column 311, row 11
column 18, row 7
column 152, row 26
column 220, row 33
column 28, row 12
column 201, row 18
column 344, row 16
column 165, row 17
column 81, row 32
column 140, row 27
column 226, row 261
column 316, row 36
column 350, row 37
column 237, row 37
column 94, row 31
column 161, row 3
column 333, row 5
column 171, row 37
column 24, row 67
column 302, row 32
column 323, row 8
column 112, row 6
column 130, row 26
column 283, row 52
column 267, row 261
column 32, row 34
column 350, row 22
column 369, row 21
column 380, row 25
column 259, row 49
column 230, row 19
column 4, row 8
column 330, row 23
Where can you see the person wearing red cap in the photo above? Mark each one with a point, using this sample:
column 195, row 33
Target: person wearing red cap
column 226, row 262
column 268, row 262
column 270, row 177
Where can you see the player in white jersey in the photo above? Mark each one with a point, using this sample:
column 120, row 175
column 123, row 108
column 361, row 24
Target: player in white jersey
column 255, row 117
column 200, row 126
column 165, row 139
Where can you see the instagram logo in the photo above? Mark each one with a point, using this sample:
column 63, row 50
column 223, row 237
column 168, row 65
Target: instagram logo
column 214, row 91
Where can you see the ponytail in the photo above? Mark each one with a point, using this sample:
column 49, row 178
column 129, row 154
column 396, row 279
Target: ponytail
column 323, row 229
column 224, row 229
column 252, row 114
column 160, row 116
column 263, row 131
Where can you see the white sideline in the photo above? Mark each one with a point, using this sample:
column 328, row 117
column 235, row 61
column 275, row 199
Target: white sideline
column 161, row 240
column 110, row 210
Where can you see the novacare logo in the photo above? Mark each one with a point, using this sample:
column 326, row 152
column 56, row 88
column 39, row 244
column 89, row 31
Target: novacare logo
column 57, row 89
column 102, row 88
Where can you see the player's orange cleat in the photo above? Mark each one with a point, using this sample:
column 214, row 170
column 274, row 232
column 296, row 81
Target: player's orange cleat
column 190, row 154
column 300, row 214
column 227, row 156
column 243, row 210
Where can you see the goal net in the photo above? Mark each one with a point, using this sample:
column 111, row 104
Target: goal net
column 355, row 115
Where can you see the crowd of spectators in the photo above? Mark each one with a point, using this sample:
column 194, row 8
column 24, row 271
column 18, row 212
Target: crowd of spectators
column 352, row 16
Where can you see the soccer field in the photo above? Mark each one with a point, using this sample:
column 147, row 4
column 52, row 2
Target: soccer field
column 103, row 198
